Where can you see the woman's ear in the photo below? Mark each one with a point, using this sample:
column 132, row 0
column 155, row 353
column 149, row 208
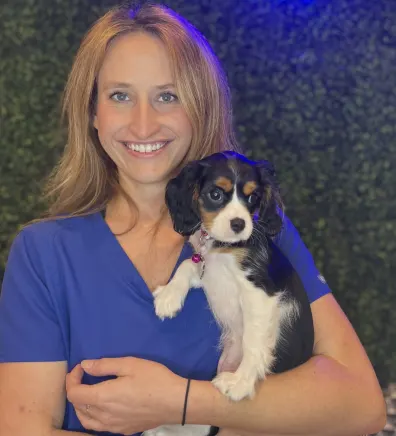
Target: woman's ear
column 181, row 197
column 271, row 201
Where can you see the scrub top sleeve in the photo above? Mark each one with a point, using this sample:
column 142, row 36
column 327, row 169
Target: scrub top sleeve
column 29, row 328
column 292, row 246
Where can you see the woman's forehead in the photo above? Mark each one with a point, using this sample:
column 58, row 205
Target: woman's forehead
column 137, row 57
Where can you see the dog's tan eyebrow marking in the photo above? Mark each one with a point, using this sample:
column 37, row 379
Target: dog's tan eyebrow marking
column 249, row 187
column 224, row 183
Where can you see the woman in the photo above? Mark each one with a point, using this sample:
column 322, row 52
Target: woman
column 145, row 96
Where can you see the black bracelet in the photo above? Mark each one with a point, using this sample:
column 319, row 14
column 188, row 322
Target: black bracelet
column 185, row 402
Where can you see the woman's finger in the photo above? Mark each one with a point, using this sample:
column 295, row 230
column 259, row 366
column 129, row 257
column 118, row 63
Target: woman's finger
column 80, row 394
column 88, row 418
column 74, row 377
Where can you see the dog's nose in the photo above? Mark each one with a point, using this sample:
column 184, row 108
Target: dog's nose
column 237, row 224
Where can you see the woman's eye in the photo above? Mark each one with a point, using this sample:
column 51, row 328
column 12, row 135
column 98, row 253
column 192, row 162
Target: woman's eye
column 119, row 96
column 253, row 198
column 216, row 195
column 167, row 97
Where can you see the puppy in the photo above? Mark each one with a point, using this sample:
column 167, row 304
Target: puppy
column 230, row 207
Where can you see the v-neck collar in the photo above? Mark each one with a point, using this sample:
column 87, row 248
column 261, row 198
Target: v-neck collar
column 116, row 258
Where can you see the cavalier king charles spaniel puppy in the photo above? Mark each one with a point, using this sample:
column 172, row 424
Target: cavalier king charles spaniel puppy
column 230, row 208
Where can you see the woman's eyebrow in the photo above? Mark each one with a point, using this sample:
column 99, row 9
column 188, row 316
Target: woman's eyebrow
column 125, row 85
column 117, row 85
column 167, row 85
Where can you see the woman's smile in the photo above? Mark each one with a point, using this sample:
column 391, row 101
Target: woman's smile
column 145, row 149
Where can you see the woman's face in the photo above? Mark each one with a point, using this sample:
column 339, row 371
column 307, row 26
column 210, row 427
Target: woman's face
column 140, row 121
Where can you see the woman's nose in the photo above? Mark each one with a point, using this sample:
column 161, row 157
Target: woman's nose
column 144, row 120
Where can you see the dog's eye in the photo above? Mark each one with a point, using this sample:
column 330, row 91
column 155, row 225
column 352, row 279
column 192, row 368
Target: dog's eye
column 253, row 198
column 216, row 194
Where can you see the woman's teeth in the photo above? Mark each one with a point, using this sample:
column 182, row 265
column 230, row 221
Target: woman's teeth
column 144, row 148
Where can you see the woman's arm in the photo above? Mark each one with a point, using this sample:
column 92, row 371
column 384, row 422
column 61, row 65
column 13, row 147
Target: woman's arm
column 335, row 393
column 32, row 399
column 33, row 367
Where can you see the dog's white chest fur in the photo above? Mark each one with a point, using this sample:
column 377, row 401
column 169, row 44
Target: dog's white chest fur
column 221, row 286
column 224, row 297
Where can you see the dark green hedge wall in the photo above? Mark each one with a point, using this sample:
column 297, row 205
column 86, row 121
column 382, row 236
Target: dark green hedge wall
column 314, row 91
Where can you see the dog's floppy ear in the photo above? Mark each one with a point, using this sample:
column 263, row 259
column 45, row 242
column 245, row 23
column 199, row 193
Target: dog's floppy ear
column 182, row 198
column 271, row 202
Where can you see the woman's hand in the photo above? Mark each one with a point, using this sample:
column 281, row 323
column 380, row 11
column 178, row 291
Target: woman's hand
column 144, row 395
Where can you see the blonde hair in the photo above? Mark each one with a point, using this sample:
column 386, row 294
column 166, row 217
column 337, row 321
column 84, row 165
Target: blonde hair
column 85, row 178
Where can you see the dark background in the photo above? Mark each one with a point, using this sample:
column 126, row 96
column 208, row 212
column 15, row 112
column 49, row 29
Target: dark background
column 313, row 87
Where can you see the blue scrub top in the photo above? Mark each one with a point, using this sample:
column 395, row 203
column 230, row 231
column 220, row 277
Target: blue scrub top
column 71, row 293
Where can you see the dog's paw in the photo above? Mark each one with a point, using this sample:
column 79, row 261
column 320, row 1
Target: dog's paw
column 168, row 301
column 234, row 386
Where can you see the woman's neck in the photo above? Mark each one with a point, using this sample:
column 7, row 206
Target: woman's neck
column 149, row 200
